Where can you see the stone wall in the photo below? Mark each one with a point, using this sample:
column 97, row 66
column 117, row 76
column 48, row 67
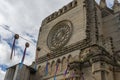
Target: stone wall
column 76, row 15
column 10, row 74
column 64, row 60
column 111, row 28
column 16, row 73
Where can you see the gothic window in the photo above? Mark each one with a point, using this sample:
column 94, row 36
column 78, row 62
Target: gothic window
column 59, row 35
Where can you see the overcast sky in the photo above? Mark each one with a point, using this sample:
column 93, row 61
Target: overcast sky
column 24, row 18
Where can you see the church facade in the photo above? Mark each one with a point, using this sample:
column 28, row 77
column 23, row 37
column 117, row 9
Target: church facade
column 78, row 42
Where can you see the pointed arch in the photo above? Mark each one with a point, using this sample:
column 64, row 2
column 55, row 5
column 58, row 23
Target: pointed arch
column 39, row 68
column 58, row 62
column 69, row 58
column 53, row 67
column 49, row 69
column 42, row 70
column 64, row 63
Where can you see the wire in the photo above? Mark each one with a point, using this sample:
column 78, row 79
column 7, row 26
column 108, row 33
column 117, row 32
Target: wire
column 7, row 28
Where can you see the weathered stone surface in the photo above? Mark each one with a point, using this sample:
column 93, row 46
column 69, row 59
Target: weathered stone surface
column 91, row 52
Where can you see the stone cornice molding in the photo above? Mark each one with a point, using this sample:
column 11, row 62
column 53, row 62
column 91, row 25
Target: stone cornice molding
column 61, row 11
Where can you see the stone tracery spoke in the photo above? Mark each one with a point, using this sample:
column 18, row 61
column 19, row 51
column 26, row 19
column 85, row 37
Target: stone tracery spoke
column 59, row 35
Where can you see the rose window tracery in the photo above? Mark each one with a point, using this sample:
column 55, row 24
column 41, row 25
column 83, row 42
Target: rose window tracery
column 59, row 35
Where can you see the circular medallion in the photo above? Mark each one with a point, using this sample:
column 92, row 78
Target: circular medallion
column 59, row 35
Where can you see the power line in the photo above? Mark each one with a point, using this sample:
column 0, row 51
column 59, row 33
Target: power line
column 7, row 28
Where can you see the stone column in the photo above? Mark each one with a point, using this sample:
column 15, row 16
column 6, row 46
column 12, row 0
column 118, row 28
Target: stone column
column 92, row 30
column 100, row 68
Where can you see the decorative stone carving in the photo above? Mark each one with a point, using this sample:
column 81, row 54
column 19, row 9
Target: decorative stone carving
column 76, row 46
column 74, row 65
column 95, row 53
column 59, row 35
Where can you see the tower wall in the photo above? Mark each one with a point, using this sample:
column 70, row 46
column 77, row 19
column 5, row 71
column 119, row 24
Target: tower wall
column 76, row 15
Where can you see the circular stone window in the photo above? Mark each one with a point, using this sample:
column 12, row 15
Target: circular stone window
column 59, row 35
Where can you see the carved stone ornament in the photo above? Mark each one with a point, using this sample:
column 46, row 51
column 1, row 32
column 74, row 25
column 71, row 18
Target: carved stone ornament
column 59, row 35
column 92, row 51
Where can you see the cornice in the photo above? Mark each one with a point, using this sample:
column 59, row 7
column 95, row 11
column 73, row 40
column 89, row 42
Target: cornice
column 60, row 12
column 65, row 50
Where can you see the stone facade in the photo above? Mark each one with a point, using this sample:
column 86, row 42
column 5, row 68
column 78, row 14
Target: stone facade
column 15, row 73
column 82, row 38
